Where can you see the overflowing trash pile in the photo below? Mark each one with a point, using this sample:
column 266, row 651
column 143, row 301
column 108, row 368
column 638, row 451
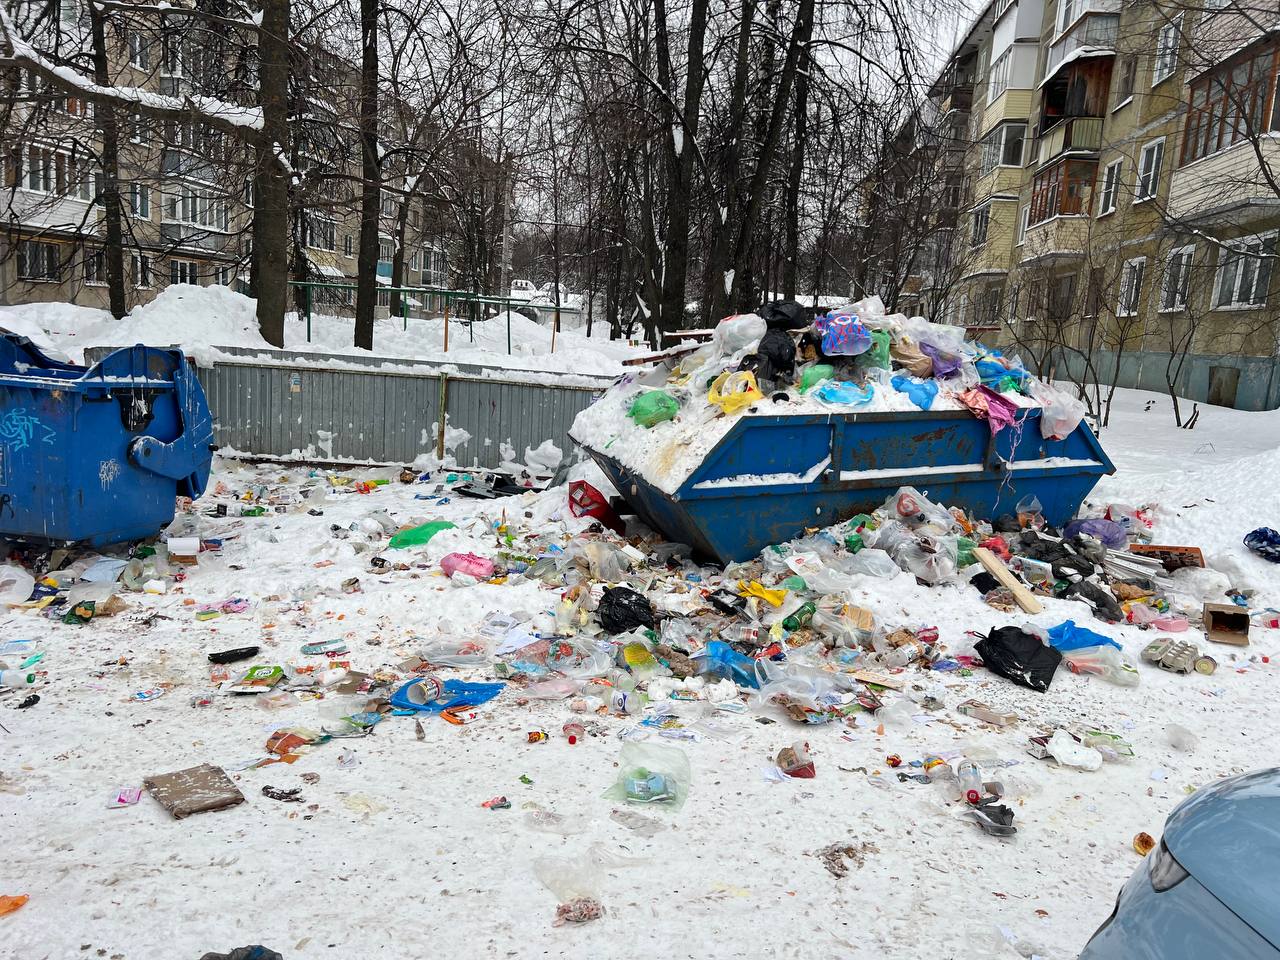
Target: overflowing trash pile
column 661, row 422
column 549, row 609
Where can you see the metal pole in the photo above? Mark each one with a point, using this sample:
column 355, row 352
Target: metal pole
column 446, row 324
column 404, row 310
column 308, row 301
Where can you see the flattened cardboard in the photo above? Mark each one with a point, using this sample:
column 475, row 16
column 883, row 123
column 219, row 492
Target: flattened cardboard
column 1226, row 623
column 1173, row 557
column 194, row 790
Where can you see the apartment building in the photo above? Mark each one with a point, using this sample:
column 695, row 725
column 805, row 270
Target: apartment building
column 186, row 187
column 1121, row 179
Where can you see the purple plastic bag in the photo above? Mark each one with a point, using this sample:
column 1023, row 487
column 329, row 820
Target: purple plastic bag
column 1108, row 531
column 990, row 406
column 944, row 364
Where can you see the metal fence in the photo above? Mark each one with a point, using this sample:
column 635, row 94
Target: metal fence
column 1246, row 383
column 291, row 410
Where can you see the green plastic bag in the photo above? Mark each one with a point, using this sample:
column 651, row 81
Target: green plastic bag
column 964, row 552
column 878, row 355
column 417, row 536
column 853, row 542
column 814, row 375
column 794, row 583
column 653, row 407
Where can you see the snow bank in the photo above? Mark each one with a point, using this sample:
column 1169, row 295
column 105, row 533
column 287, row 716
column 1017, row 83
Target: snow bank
column 53, row 327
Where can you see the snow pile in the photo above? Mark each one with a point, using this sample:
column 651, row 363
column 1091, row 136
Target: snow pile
column 53, row 327
column 197, row 319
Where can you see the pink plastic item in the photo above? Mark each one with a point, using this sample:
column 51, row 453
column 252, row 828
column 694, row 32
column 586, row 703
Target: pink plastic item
column 473, row 566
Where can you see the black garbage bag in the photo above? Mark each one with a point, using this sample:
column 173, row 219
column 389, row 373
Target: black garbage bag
column 777, row 356
column 622, row 609
column 1019, row 656
column 786, row 315
column 1105, row 606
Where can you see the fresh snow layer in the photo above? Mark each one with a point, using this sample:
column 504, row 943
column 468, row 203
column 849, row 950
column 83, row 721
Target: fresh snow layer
column 387, row 857
column 201, row 319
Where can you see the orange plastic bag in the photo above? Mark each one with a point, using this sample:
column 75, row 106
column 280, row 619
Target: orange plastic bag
column 10, row 904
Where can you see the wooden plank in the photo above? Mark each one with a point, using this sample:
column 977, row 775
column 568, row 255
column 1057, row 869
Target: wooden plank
column 991, row 563
column 879, row 679
column 668, row 354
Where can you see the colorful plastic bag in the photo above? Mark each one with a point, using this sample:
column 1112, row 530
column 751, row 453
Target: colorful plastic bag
column 906, row 353
column 921, row 392
column 843, row 335
column 734, row 392
column 878, row 354
column 845, row 393
column 814, row 375
column 653, row 407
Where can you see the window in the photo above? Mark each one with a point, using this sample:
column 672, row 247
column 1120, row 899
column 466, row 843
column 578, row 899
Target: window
column 139, row 50
column 141, row 270
column 388, row 205
column 1244, row 272
column 174, row 55
column 46, row 170
column 413, row 261
column 39, row 261
column 999, row 81
column 1149, row 170
column 248, row 194
column 183, row 271
column 346, row 246
column 1062, row 295
column 95, row 266
column 385, row 250
column 140, row 201
column 319, row 233
column 1177, row 277
column 1110, row 187
column 1062, row 190
column 1002, row 147
column 951, row 192
column 434, row 273
column 223, row 276
column 1068, row 10
column 68, row 11
column 1015, row 296
column 1000, row 8
column 137, row 127
column 979, row 225
column 1230, row 104
column 1023, row 214
column 1166, row 51
column 1131, row 286
column 1126, row 77
column 194, row 207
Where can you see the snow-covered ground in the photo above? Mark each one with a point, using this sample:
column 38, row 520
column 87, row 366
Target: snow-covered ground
column 201, row 319
column 393, row 856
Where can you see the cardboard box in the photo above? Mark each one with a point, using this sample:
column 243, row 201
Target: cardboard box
column 1173, row 557
column 1226, row 623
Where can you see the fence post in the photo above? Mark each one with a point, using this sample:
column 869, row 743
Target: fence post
column 444, row 415
column 309, row 290
column 404, row 310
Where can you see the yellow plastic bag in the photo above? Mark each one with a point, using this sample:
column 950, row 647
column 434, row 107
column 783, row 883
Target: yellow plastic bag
column 757, row 589
column 734, row 392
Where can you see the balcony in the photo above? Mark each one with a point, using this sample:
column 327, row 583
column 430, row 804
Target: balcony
column 1002, row 181
column 1227, row 187
column 1011, row 105
column 1059, row 238
column 960, row 98
column 1070, row 135
column 1096, row 32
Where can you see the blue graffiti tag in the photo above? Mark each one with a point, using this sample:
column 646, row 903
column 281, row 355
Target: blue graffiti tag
column 18, row 429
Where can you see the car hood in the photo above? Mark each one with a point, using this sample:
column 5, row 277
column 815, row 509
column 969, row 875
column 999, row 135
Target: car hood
column 1227, row 836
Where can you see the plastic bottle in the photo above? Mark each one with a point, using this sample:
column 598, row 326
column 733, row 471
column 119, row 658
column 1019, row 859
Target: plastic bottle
column 941, row 775
column 621, row 680
column 573, row 731
column 801, row 617
column 16, row 678
column 970, row 777
column 626, row 702
column 903, row 655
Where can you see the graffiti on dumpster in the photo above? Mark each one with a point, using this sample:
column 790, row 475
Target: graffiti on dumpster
column 18, row 429
column 108, row 470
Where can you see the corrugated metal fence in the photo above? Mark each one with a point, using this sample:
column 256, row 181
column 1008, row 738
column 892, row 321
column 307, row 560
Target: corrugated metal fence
column 294, row 408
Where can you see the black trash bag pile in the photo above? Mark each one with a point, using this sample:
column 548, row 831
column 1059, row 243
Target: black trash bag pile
column 1019, row 656
column 621, row 610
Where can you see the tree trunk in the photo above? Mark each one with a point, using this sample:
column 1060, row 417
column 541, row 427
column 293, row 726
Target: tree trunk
column 108, row 128
column 397, row 258
column 732, row 269
column 371, row 178
column 670, row 310
column 791, row 248
column 270, row 268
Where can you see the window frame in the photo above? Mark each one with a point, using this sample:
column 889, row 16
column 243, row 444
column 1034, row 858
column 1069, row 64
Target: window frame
column 348, row 247
column 182, row 270
column 1000, row 71
column 1182, row 292
column 1175, row 27
column 139, row 50
column 1215, row 119
column 980, row 214
column 50, row 256
column 1262, row 241
column 1130, row 292
column 1126, row 81
column 97, row 275
column 1149, row 180
column 140, row 271
column 140, row 201
column 1109, row 195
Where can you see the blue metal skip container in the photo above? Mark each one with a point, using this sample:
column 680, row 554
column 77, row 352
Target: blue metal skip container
column 96, row 455
column 771, row 477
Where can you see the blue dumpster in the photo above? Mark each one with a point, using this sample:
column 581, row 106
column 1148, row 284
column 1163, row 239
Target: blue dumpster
column 770, row 477
column 97, row 455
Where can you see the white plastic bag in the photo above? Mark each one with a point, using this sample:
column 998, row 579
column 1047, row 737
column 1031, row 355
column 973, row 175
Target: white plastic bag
column 737, row 333
column 1060, row 414
column 15, row 584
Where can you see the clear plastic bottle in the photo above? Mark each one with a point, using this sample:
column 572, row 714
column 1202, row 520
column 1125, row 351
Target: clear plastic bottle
column 626, row 702
column 970, row 777
column 943, row 778
column 16, row 678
